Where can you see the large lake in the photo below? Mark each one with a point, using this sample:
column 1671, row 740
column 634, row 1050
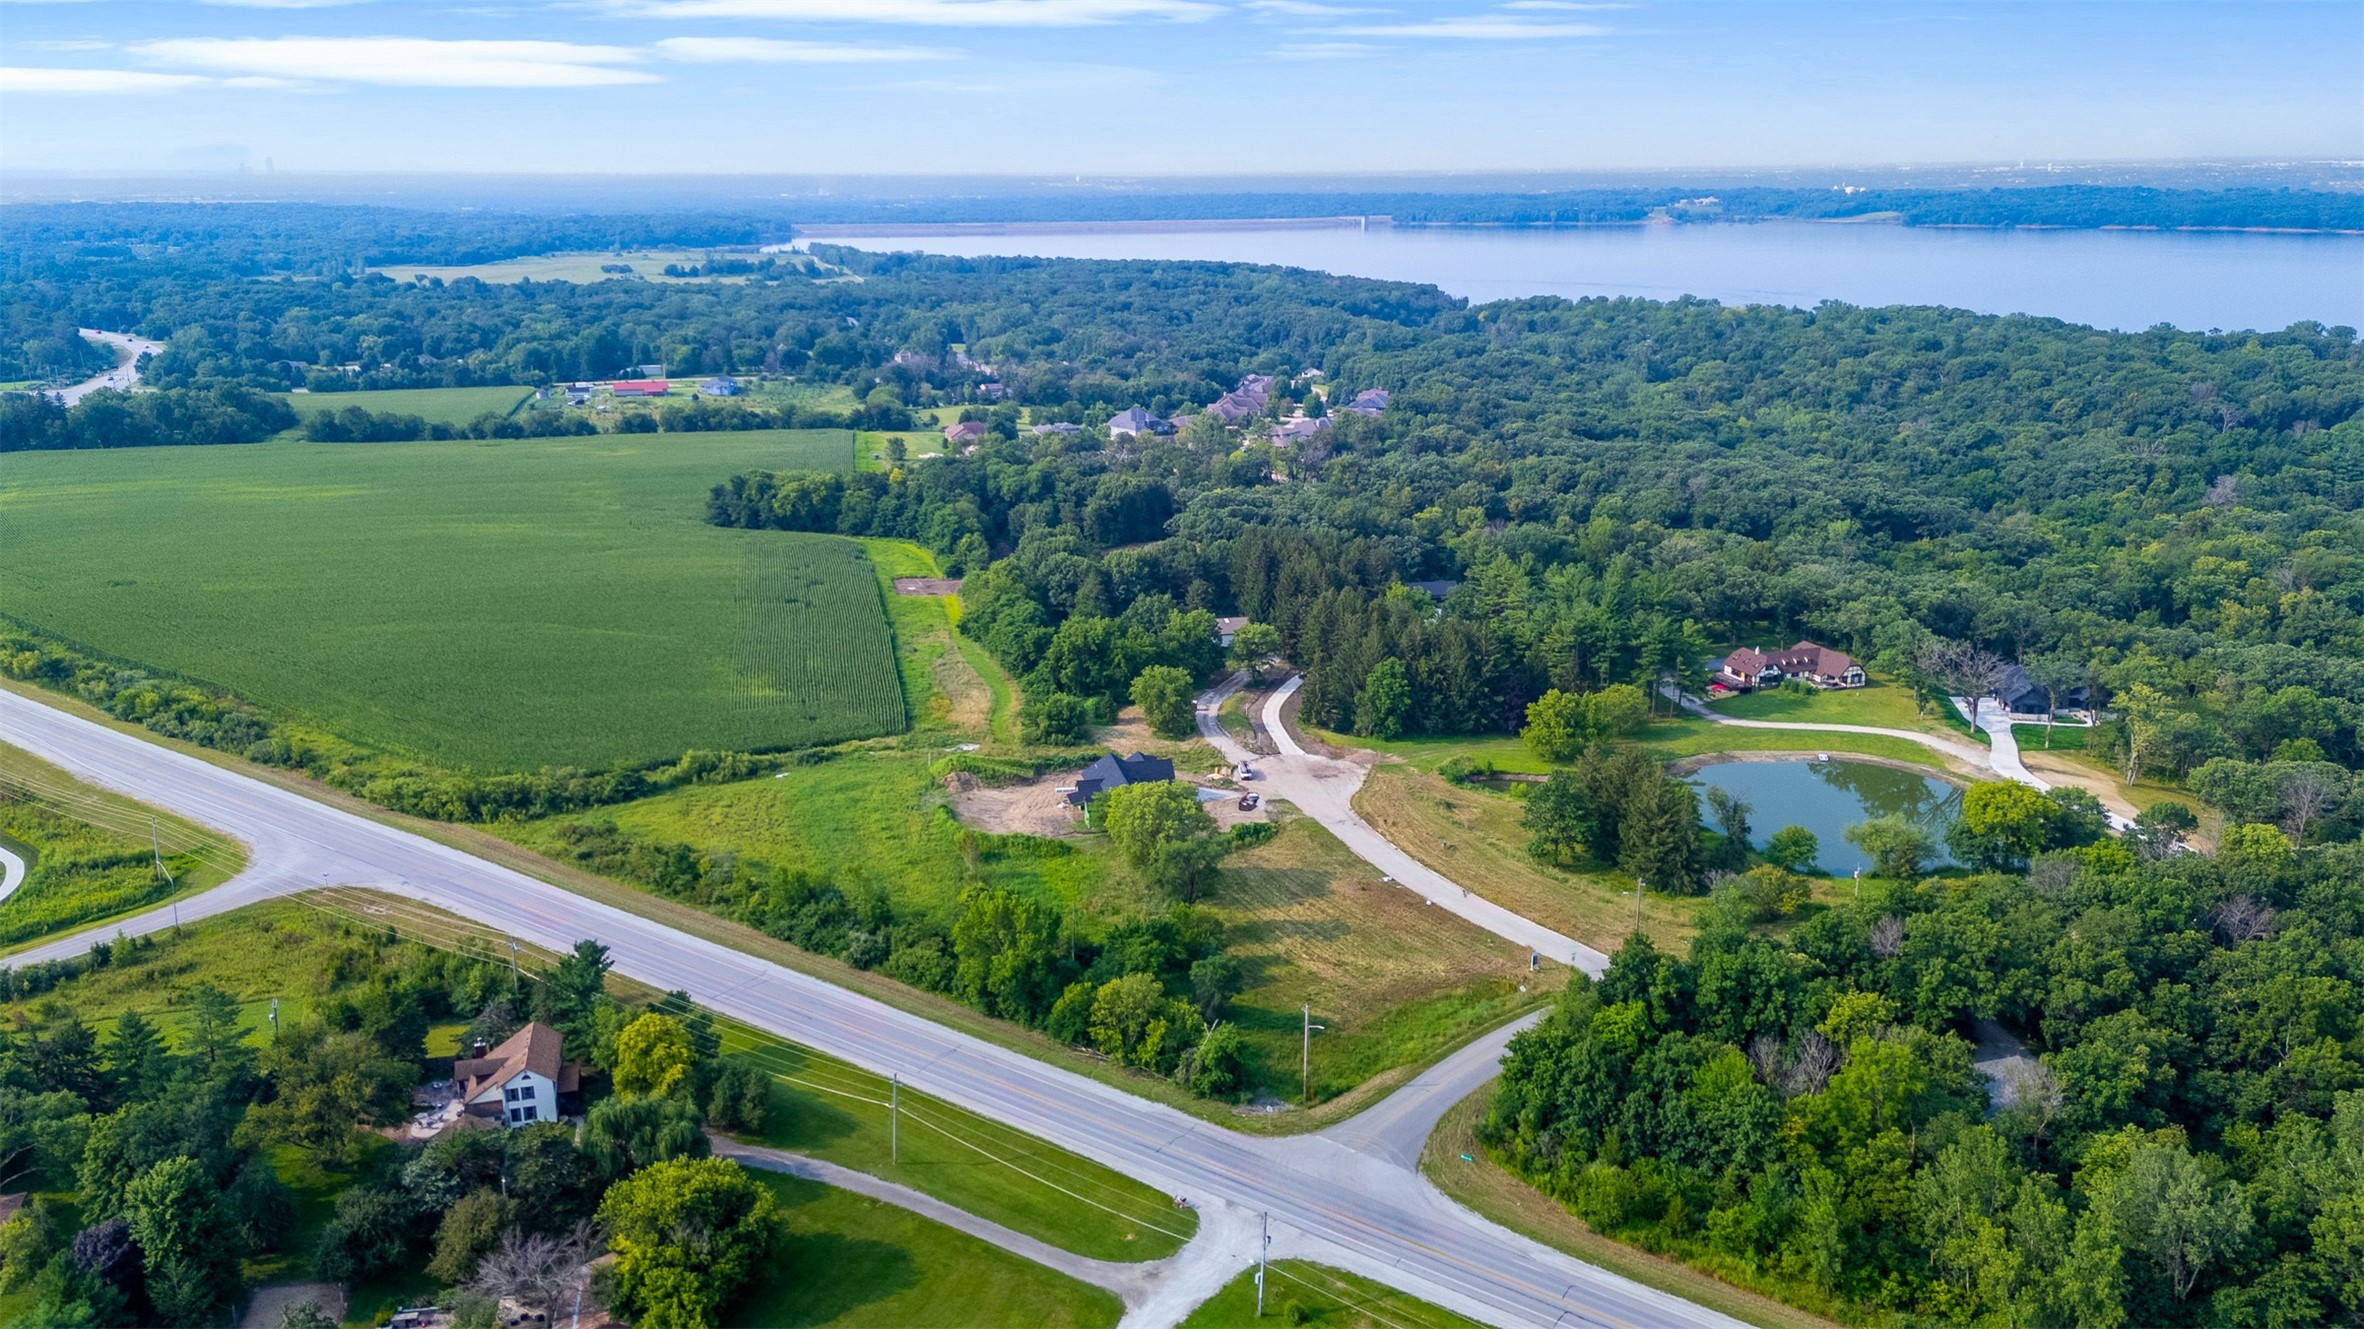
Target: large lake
column 1827, row 797
column 2112, row 279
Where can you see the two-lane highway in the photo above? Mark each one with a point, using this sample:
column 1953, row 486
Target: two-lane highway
column 1365, row 1211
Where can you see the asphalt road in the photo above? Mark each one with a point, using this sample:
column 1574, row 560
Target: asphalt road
column 1328, row 1202
column 125, row 373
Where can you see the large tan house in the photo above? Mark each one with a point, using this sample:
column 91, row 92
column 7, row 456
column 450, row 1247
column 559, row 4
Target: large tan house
column 1747, row 669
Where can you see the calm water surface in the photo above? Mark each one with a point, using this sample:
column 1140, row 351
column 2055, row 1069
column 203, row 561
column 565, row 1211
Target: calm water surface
column 1827, row 797
column 2111, row 279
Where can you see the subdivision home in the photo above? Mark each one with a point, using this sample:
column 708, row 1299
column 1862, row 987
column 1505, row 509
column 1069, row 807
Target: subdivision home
column 1134, row 421
column 966, row 432
column 1748, row 669
column 1115, row 772
column 526, row 1079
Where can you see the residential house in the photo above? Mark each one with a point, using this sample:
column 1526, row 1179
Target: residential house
column 991, row 392
column 1115, row 772
column 1369, row 401
column 1135, row 421
column 721, row 385
column 526, row 1079
column 1062, row 428
column 647, row 387
column 1297, row 429
column 1435, row 590
column 1245, row 402
column 578, row 394
column 1748, row 669
column 2020, row 695
column 965, row 433
column 1227, row 627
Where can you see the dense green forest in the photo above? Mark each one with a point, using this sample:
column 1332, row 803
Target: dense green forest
column 1603, row 494
column 158, row 1130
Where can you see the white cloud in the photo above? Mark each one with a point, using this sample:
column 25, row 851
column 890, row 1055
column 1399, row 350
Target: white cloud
column 1483, row 28
column 1303, row 8
column 766, row 51
column 93, row 82
column 1322, row 50
column 414, row 62
column 936, row 13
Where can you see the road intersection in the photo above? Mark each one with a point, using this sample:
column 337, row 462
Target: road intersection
column 1347, row 1197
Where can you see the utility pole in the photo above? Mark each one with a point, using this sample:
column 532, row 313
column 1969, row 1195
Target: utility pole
column 156, row 848
column 514, row 980
column 895, row 1117
column 1306, row 1057
column 1263, row 1263
column 1638, row 888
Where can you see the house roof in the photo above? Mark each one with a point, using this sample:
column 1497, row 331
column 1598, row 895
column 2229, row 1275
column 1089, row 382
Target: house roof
column 1436, row 590
column 536, row 1048
column 1369, row 401
column 1134, row 420
column 966, row 431
column 1804, row 657
column 1115, row 772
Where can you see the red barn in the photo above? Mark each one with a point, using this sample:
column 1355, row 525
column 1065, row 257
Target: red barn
column 647, row 387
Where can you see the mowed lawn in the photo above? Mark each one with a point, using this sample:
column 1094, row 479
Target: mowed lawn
column 494, row 604
column 436, row 406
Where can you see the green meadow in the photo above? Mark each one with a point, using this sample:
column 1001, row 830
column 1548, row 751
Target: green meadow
column 436, row 406
column 490, row 604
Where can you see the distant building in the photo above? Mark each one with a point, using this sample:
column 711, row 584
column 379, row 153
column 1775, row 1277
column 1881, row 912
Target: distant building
column 1369, row 401
column 1135, row 421
column 1434, row 590
column 1115, row 772
column 578, row 394
column 1297, row 430
column 1748, row 669
column 647, row 387
column 991, row 392
column 967, row 431
column 1245, row 402
column 524, row 1080
column 1228, row 626
column 721, row 385
column 641, row 371
column 1059, row 427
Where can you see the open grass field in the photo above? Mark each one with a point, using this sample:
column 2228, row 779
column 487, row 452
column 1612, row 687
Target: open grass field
column 849, row 1260
column 1324, row 1297
column 584, row 266
column 1460, row 1168
column 496, row 604
column 1473, row 836
column 91, row 852
column 436, row 406
column 1397, row 983
column 824, row 1108
column 1876, row 703
column 949, row 682
column 1671, row 739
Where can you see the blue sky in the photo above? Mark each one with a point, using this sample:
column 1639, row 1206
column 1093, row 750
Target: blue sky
column 1150, row 86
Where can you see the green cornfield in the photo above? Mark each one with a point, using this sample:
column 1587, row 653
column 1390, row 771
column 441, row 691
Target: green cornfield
column 436, row 406
column 497, row 605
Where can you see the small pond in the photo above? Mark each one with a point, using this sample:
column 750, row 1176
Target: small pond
column 1827, row 797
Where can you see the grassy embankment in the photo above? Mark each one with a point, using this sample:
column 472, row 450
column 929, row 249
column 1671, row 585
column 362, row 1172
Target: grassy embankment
column 1458, row 1165
column 1323, row 1297
column 499, row 604
column 91, row 853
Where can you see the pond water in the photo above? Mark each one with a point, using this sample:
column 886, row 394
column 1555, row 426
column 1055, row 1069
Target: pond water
column 2112, row 279
column 1827, row 797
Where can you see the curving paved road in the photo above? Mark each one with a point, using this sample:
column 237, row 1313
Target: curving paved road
column 1323, row 788
column 12, row 871
column 1359, row 1211
column 128, row 349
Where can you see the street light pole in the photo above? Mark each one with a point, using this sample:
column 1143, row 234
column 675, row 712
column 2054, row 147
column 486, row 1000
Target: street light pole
column 1263, row 1263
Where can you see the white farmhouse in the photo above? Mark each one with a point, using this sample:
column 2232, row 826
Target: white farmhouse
column 519, row 1082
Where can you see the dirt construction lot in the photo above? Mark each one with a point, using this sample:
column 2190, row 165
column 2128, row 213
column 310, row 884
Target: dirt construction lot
column 1038, row 808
